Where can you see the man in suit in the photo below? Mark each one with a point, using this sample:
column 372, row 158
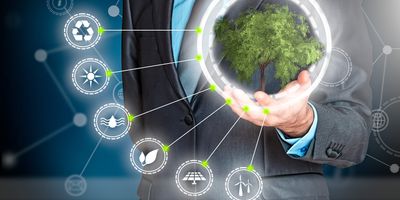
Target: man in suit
column 329, row 127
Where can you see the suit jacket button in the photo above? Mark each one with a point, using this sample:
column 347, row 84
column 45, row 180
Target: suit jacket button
column 332, row 153
column 188, row 120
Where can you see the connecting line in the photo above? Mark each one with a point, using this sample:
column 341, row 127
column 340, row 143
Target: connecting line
column 376, row 60
column 44, row 139
column 91, row 155
column 53, row 77
column 102, row 58
column 149, row 30
column 258, row 140
column 152, row 110
column 226, row 135
column 376, row 159
column 373, row 26
column 383, row 82
column 197, row 125
column 151, row 66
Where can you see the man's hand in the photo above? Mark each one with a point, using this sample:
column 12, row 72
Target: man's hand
column 289, row 113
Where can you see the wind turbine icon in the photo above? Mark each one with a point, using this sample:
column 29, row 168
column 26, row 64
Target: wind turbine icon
column 242, row 184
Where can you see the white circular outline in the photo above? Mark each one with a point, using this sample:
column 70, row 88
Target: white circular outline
column 74, row 76
column 91, row 44
column 194, row 194
column 328, row 46
column 52, row 10
column 389, row 150
column 348, row 72
column 386, row 118
column 233, row 172
column 115, row 87
column 104, row 135
column 140, row 170
column 79, row 177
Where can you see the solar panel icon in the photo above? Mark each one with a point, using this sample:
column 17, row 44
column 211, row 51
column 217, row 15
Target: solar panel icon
column 194, row 176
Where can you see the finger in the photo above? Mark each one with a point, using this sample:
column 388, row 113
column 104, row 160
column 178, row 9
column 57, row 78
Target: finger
column 304, row 78
column 263, row 98
column 242, row 98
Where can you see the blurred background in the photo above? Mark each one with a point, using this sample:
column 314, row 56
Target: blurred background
column 47, row 130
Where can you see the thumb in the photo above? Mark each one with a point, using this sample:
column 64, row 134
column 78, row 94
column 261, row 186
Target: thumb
column 263, row 98
column 304, row 78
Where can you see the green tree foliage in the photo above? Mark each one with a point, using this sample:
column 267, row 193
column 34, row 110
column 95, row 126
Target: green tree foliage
column 272, row 35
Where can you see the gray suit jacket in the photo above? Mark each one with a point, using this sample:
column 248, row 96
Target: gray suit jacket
column 344, row 110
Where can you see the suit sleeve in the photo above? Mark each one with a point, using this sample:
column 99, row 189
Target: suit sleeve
column 131, row 79
column 343, row 109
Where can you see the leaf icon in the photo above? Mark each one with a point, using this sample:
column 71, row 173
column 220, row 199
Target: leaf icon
column 151, row 157
column 142, row 158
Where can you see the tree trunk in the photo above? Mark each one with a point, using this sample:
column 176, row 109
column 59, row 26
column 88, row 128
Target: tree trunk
column 262, row 77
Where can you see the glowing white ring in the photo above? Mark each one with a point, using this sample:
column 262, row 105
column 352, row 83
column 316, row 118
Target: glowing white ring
column 194, row 194
column 90, row 44
column 74, row 76
column 326, row 59
column 104, row 134
column 136, row 166
column 228, row 179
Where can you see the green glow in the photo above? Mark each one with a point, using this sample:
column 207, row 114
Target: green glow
column 101, row 30
column 266, row 111
column 199, row 30
column 250, row 168
column 246, row 108
column 165, row 148
column 198, row 57
column 131, row 118
column 213, row 87
column 228, row 101
column 204, row 163
column 109, row 73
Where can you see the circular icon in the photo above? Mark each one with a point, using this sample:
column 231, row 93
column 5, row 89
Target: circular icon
column 75, row 185
column 89, row 76
column 380, row 125
column 60, row 7
column 339, row 70
column 380, row 120
column 112, row 121
column 210, row 65
column 193, row 178
column 242, row 183
column 82, row 31
column 148, row 157
column 118, row 93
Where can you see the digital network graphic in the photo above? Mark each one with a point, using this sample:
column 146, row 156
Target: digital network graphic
column 112, row 121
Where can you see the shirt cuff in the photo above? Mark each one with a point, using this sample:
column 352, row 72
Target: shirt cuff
column 300, row 145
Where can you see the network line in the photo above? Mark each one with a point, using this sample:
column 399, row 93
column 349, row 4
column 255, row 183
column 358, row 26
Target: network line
column 226, row 135
column 151, row 66
column 258, row 140
column 91, row 156
column 376, row 159
column 197, row 124
column 170, row 103
column 150, row 30
column 43, row 140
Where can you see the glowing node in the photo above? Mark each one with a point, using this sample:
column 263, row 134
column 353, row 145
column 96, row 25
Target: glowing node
column 80, row 119
column 149, row 156
column 40, row 55
column 9, row 160
column 387, row 50
column 113, row 11
column 394, row 168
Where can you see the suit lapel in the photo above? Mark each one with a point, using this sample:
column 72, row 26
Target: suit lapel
column 162, row 13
